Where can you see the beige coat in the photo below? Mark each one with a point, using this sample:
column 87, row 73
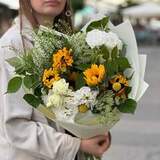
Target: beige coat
column 24, row 132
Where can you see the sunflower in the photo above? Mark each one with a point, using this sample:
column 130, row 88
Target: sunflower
column 62, row 59
column 94, row 75
column 49, row 76
column 119, row 83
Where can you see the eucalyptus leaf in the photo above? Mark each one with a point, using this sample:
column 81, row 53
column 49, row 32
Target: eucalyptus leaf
column 14, row 85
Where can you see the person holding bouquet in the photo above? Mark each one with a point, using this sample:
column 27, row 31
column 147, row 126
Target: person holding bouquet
column 24, row 132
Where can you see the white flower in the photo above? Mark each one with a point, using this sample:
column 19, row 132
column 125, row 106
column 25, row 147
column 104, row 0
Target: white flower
column 60, row 87
column 96, row 38
column 85, row 96
column 66, row 114
column 112, row 40
column 55, row 100
column 59, row 94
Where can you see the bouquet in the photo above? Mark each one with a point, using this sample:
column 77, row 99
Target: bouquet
column 83, row 81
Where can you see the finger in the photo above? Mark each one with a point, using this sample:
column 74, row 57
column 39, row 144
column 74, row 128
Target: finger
column 104, row 147
column 99, row 139
column 107, row 133
column 110, row 139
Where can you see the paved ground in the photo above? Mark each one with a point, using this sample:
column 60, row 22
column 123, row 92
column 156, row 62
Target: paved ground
column 138, row 137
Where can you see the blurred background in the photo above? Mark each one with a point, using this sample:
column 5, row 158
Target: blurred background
column 135, row 137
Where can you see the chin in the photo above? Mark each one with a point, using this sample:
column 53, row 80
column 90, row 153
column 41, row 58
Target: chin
column 52, row 12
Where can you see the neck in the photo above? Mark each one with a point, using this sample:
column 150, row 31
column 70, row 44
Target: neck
column 45, row 20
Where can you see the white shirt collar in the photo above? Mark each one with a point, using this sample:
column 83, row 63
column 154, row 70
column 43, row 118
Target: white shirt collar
column 27, row 29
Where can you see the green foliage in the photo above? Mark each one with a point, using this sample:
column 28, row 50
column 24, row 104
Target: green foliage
column 128, row 90
column 81, row 51
column 115, row 62
column 32, row 100
column 105, row 108
column 99, row 55
column 112, row 68
column 14, row 85
column 31, row 81
column 100, row 24
column 27, row 81
column 123, row 64
column 80, row 82
column 129, row 106
column 114, row 53
column 104, row 51
column 104, row 102
column 17, row 63
column 82, row 67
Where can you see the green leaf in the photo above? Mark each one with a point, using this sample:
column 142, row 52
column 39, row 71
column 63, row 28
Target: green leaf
column 32, row 100
column 14, row 62
column 28, row 81
column 82, row 67
column 31, row 81
column 80, row 82
column 123, row 64
column 14, row 85
column 38, row 91
column 128, row 90
column 129, row 106
column 114, row 53
column 104, row 51
column 17, row 64
column 112, row 68
column 100, row 24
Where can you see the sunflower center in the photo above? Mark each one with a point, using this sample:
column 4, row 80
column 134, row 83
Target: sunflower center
column 50, row 77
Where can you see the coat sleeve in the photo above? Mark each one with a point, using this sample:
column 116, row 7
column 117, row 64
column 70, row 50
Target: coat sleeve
column 36, row 138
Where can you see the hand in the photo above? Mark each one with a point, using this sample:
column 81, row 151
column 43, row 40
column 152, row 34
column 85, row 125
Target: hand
column 96, row 145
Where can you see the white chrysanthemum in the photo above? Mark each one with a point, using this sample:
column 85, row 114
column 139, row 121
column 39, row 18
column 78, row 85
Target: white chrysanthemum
column 96, row 38
column 85, row 96
column 60, row 87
